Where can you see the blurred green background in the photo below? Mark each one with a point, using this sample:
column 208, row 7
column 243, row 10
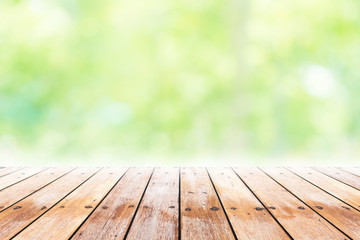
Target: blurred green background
column 120, row 78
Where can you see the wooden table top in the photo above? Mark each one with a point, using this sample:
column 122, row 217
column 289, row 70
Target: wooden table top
column 179, row 203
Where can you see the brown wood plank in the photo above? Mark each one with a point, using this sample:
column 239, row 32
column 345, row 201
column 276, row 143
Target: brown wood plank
column 61, row 222
column 202, row 216
column 9, row 170
column 112, row 217
column 338, row 213
column 14, row 219
column 240, row 205
column 22, row 189
column 352, row 170
column 298, row 220
column 338, row 189
column 157, row 217
column 18, row 176
column 341, row 175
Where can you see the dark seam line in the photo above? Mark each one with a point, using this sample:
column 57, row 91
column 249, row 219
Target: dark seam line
column 77, row 229
column 12, row 172
column 222, row 206
column 23, row 179
column 336, row 179
column 36, row 190
column 138, row 206
column 306, row 204
column 323, row 190
column 348, row 172
column 179, row 210
column 54, row 204
column 282, row 227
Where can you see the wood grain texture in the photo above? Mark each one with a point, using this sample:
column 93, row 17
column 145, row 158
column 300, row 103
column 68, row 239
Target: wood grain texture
column 113, row 216
column 157, row 217
column 69, row 213
column 338, row 189
column 202, row 216
column 23, row 189
column 14, row 219
column 18, row 176
column 342, row 176
column 298, row 220
column 335, row 211
column 240, row 205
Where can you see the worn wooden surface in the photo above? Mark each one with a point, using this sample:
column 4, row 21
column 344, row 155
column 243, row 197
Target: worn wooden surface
column 180, row 203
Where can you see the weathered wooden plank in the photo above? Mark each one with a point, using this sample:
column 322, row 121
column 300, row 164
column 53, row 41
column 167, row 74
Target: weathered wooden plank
column 157, row 217
column 335, row 211
column 340, row 175
column 112, row 217
column 340, row 190
column 9, row 170
column 14, row 219
column 25, row 188
column 202, row 216
column 62, row 221
column 298, row 220
column 18, row 176
column 352, row 170
column 240, row 205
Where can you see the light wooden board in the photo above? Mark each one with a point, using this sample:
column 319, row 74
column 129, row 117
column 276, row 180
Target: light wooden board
column 352, row 170
column 157, row 217
column 23, row 189
column 112, row 217
column 240, row 205
column 202, row 216
column 342, row 176
column 63, row 221
column 9, row 170
column 330, row 185
column 16, row 218
column 335, row 211
column 298, row 220
column 18, row 176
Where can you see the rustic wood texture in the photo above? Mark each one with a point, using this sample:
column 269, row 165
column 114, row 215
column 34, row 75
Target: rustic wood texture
column 23, row 189
column 335, row 211
column 69, row 213
column 18, row 216
column 113, row 216
column 202, row 216
column 293, row 215
column 157, row 217
column 342, row 176
column 179, row 203
column 240, row 205
column 330, row 185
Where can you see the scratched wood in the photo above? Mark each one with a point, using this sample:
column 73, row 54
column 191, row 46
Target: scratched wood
column 240, row 205
column 292, row 214
column 18, row 176
column 202, row 216
column 9, row 170
column 69, row 213
column 335, row 211
column 25, row 188
column 17, row 217
column 330, row 185
column 352, row 170
column 157, row 217
column 342, row 176
column 113, row 216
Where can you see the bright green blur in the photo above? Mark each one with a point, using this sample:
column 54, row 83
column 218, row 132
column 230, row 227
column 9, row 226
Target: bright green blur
column 257, row 77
